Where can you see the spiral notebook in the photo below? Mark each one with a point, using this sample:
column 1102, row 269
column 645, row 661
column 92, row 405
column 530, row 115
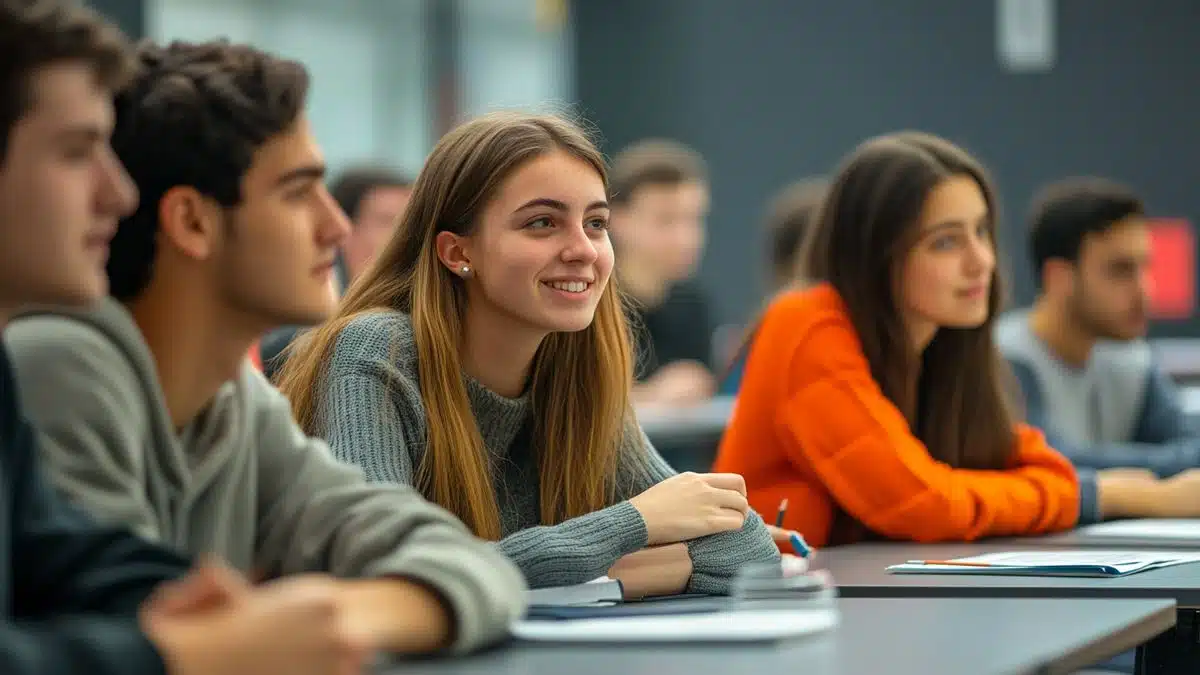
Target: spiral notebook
column 1091, row 563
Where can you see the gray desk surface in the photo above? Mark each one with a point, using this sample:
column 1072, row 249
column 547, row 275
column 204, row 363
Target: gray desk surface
column 1178, row 356
column 703, row 419
column 860, row 571
column 898, row 637
column 1074, row 539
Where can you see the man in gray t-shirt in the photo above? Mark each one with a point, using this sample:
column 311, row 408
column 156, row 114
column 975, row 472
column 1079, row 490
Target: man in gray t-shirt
column 1089, row 378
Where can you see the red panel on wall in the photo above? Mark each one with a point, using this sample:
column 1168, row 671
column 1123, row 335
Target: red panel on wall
column 1172, row 269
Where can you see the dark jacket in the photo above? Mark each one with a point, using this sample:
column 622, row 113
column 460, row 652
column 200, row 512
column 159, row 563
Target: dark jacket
column 69, row 589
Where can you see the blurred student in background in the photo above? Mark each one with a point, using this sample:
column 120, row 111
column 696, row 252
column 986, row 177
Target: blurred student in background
column 660, row 200
column 875, row 400
column 374, row 198
column 152, row 418
column 485, row 359
column 1079, row 351
column 789, row 220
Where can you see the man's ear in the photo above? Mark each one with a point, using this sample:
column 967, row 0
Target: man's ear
column 1058, row 276
column 190, row 221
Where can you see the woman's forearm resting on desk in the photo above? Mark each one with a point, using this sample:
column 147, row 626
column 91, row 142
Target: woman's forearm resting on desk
column 658, row 570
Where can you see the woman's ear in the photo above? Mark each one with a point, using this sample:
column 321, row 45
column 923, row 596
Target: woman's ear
column 452, row 252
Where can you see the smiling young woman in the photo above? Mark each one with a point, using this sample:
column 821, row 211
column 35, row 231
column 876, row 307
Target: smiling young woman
column 484, row 358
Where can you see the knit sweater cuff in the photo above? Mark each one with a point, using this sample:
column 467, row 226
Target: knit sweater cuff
column 717, row 558
column 578, row 550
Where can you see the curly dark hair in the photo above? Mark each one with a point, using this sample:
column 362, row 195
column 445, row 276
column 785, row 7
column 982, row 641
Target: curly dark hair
column 39, row 33
column 654, row 161
column 194, row 115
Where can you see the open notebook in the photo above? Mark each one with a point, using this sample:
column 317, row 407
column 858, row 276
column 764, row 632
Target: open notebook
column 1095, row 563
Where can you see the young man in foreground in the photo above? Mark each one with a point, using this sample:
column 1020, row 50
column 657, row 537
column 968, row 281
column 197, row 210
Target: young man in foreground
column 155, row 419
column 70, row 591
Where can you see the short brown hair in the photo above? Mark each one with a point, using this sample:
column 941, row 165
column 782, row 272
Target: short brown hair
column 39, row 33
column 1065, row 212
column 353, row 185
column 654, row 162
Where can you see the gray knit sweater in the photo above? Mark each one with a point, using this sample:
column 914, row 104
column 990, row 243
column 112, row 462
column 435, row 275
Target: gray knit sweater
column 371, row 414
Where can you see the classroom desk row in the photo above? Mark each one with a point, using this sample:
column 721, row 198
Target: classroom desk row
column 929, row 624
column 860, row 571
column 920, row 636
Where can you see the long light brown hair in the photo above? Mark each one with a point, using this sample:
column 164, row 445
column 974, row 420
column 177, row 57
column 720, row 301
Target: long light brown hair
column 955, row 394
column 579, row 383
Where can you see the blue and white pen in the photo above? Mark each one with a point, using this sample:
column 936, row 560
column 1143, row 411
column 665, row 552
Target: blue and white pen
column 800, row 546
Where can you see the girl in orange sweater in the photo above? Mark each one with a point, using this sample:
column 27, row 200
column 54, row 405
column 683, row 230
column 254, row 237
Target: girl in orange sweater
column 873, row 401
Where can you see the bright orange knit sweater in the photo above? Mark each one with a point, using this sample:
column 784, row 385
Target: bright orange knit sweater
column 812, row 425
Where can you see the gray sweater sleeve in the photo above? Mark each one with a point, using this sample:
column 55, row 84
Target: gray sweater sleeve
column 578, row 550
column 715, row 558
column 320, row 514
column 81, row 394
column 365, row 409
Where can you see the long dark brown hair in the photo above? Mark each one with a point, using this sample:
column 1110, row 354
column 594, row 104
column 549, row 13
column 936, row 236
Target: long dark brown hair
column 955, row 393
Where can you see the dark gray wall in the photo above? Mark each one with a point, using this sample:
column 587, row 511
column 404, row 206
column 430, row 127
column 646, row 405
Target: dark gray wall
column 771, row 90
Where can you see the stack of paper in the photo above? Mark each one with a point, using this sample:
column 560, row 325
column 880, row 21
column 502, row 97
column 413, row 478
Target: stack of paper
column 1051, row 563
column 600, row 591
column 735, row 626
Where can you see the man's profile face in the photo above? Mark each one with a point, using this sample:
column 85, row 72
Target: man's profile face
column 62, row 191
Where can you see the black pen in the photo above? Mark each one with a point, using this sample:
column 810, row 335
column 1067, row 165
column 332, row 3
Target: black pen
column 782, row 512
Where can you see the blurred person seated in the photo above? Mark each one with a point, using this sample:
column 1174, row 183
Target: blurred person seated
column 374, row 198
column 660, row 199
column 789, row 219
column 1088, row 376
